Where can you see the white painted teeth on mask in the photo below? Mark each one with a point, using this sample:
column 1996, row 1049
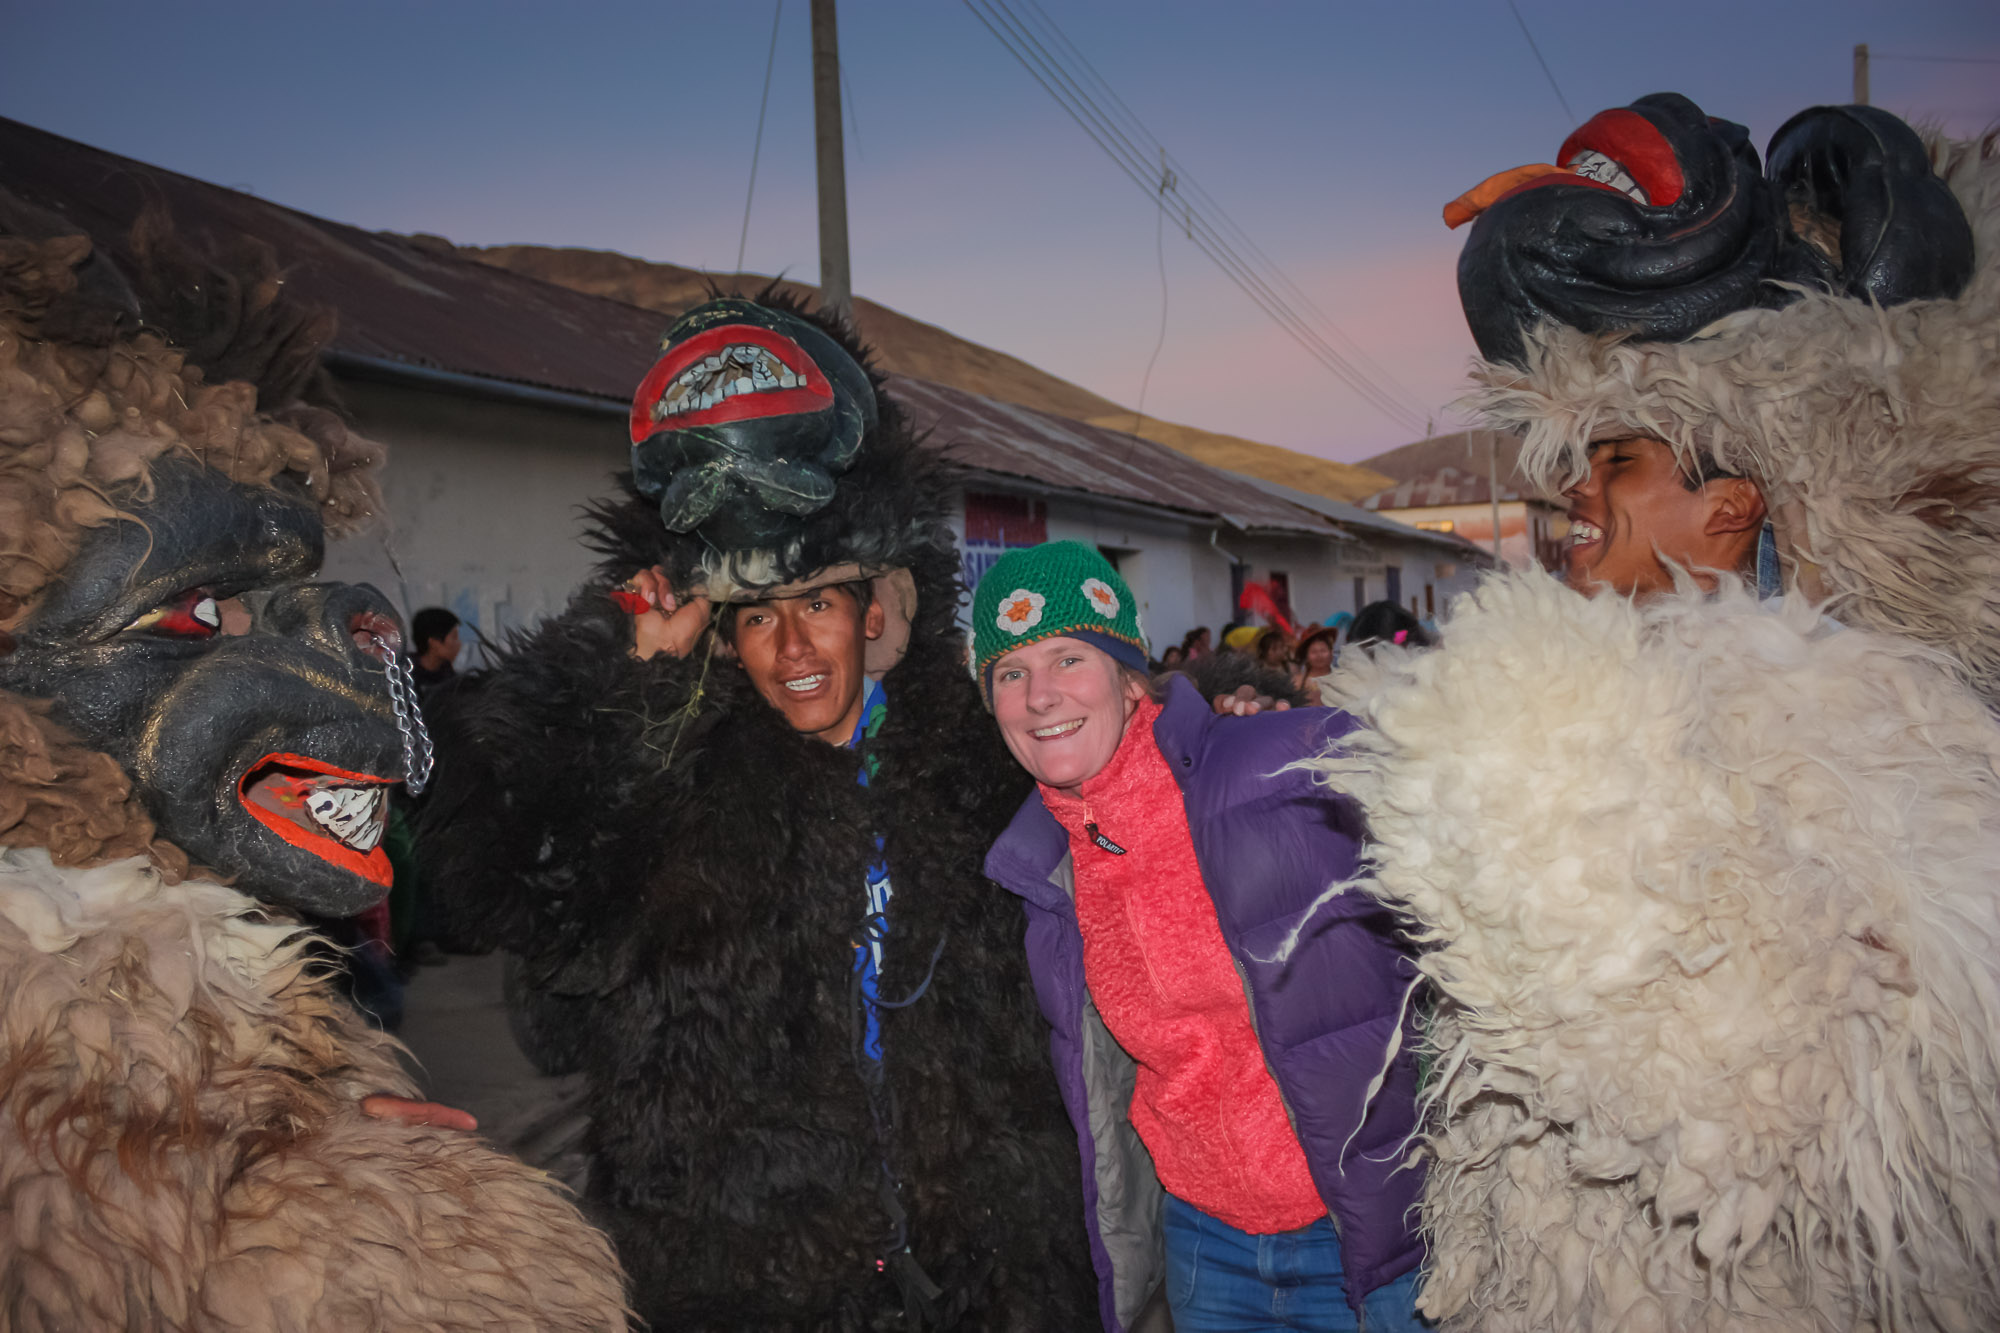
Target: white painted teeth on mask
column 351, row 814
column 738, row 369
column 1594, row 165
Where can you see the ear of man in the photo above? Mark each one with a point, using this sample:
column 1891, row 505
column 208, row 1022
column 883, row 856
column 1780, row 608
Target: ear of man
column 1734, row 505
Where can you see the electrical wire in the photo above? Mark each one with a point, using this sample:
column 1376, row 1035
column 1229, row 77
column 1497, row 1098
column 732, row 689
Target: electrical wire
column 1119, row 141
column 1350, row 348
column 1202, row 231
column 1942, row 60
column 757, row 148
column 1546, row 71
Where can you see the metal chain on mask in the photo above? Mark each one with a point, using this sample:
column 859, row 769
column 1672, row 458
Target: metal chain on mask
column 417, row 752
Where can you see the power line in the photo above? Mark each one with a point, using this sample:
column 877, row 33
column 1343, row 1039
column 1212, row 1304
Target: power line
column 1350, row 348
column 1207, row 235
column 1543, row 63
column 1942, row 60
column 1200, row 229
column 763, row 104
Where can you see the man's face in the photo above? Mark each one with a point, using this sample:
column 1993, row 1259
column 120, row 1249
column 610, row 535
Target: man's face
column 804, row 655
column 447, row 647
column 1062, row 705
column 1629, row 511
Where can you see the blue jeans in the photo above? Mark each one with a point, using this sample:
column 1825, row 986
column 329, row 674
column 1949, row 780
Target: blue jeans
column 1221, row 1280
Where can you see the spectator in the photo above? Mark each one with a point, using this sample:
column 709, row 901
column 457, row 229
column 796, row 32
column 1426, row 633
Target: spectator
column 434, row 639
column 1197, row 644
column 1171, row 657
column 1314, row 659
column 1273, row 650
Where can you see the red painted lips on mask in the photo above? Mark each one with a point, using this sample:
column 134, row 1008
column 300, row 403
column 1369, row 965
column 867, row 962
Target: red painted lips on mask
column 734, row 372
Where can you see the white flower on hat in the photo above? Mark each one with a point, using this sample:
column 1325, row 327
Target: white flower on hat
column 1020, row 611
column 1102, row 598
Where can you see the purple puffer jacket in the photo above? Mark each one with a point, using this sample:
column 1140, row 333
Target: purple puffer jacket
column 1269, row 842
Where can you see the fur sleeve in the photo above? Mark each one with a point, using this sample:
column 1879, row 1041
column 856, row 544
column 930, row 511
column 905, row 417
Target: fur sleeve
column 555, row 772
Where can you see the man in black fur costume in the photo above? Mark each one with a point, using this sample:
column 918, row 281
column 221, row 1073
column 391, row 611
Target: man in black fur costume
column 685, row 870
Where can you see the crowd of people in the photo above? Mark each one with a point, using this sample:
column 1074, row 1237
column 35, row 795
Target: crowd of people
column 1307, row 657
column 1618, row 954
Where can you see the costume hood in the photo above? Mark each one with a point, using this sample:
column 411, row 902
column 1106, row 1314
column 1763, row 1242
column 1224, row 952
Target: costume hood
column 1851, row 368
column 767, row 460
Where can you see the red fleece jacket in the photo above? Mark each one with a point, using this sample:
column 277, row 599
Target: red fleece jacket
column 1205, row 1105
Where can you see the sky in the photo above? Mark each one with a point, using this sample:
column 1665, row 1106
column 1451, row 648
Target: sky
column 1331, row 133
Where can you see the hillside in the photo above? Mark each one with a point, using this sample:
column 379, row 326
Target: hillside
column 911, row 347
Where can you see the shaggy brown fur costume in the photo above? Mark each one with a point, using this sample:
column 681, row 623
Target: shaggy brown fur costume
column 180, row 1141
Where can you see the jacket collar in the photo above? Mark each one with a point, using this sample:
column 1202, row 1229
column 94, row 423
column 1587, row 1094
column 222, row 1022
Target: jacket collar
column 1029, row 853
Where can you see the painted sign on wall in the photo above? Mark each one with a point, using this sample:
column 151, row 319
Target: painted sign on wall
column 994, row 524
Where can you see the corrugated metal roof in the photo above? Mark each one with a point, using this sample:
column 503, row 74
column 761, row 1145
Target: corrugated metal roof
column 403, row 302
column 1069, row 455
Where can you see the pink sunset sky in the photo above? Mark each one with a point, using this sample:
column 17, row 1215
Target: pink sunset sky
column 1332, row 133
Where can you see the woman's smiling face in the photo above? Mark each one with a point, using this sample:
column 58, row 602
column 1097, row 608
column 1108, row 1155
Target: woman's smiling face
column 1062, row 705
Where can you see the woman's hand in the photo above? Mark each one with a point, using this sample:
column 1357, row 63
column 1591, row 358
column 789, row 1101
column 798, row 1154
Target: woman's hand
column 667, row 625
column 1246, row 702
column 381, row 1106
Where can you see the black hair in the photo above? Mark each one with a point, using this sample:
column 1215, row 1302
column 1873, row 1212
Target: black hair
column 1383, row 621
column 861, row 591
column 429, row 625
column 1703, row 470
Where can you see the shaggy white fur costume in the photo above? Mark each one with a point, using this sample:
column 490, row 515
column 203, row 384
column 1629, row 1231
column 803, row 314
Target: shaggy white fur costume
column 1709, row 897
column 1875, row 434
column 181, row 1145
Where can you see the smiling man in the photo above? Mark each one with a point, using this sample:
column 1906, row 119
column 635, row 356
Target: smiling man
column 1638, row 512
column 1705, row 878
column 730, row 808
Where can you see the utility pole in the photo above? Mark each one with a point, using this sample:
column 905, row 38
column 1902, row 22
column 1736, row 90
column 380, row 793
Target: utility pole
column 1861, row 74
column 836, row 288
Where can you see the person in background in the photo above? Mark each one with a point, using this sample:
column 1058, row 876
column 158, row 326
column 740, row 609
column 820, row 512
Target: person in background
column 1386, row 622
column 1273, row 650
column 1313, row 660
column 1240, row 1116
column 1171, row 658
column 434, row 640
column 1197, row 644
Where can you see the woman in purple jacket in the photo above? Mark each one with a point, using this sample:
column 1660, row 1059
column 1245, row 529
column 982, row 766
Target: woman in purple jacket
column 1244, row 1122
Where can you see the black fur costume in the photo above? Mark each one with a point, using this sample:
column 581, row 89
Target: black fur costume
column 684, row 874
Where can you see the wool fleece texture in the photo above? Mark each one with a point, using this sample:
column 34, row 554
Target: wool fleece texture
column 1708, row 899
column 181, row 1142
column 684, row 876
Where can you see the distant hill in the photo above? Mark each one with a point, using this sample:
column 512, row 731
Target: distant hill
column 1468, row 454
column 911, row 347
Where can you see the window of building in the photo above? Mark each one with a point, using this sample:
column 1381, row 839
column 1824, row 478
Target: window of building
column 1430, row 600
column 1392, row 581
column 1436, row 525
column 1360, row 593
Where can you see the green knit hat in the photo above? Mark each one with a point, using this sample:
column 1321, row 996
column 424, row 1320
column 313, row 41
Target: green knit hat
column 1057, row 588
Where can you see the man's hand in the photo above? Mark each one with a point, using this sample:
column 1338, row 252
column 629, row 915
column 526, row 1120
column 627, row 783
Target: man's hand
column 1246, row 702
column 384, row 1107
column 669, row 625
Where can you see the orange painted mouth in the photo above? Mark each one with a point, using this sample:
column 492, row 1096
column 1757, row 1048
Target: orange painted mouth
column 334, row 813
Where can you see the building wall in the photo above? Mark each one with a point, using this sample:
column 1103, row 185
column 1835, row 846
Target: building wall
column 483, row 517
column 483, row 502
column 1528, row 532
